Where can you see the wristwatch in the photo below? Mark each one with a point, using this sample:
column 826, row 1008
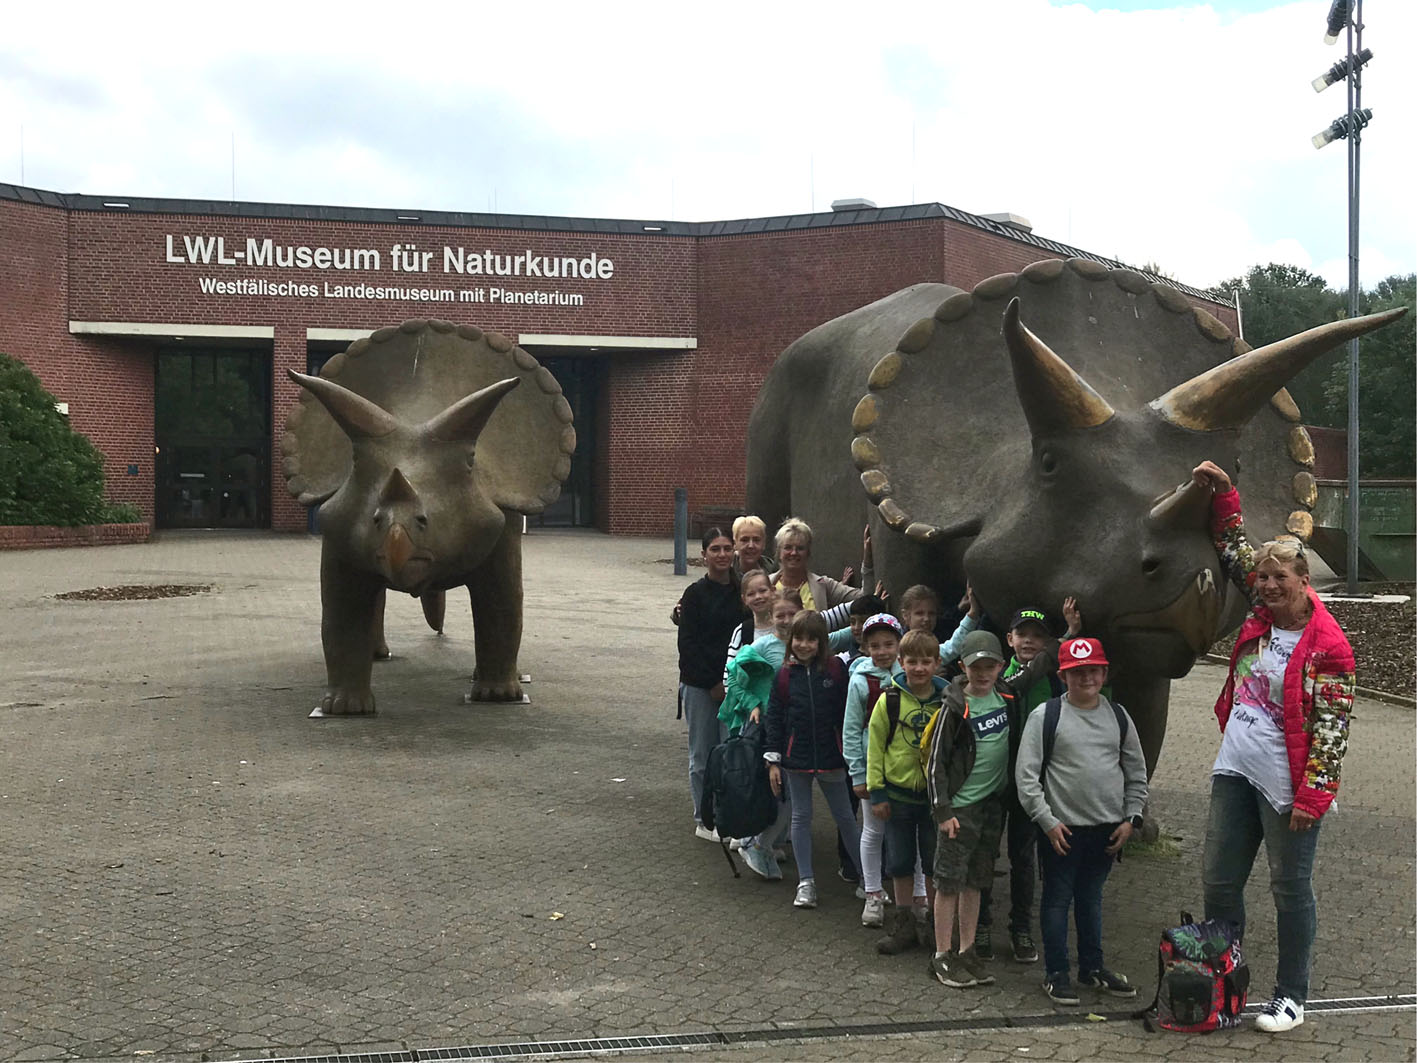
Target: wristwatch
column 1136, row 822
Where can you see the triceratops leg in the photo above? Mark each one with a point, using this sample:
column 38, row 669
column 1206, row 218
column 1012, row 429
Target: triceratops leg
column 495, row 589
column 376, row 638
column 1147, row 700
column 349, row 604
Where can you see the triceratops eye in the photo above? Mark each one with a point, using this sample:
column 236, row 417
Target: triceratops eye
column 1047, row 463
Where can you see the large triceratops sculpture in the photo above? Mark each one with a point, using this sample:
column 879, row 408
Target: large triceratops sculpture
column 1043, row 465
column 425, row 453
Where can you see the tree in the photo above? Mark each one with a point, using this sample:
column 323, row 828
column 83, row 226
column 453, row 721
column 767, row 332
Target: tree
column 49, row 474
column 1387, row 384
column 1277, row 301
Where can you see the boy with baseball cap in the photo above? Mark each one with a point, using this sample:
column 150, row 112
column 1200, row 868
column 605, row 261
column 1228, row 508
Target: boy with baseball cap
column 1082, row 778
column 971, row 749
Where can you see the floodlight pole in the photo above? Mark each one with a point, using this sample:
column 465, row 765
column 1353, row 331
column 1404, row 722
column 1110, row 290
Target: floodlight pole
column 1355, row 138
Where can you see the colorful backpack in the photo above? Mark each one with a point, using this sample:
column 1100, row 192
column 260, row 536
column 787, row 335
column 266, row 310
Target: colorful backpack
column 1201, row 977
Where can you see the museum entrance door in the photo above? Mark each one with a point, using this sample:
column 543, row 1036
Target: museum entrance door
column 579, row 377
column 212, row 424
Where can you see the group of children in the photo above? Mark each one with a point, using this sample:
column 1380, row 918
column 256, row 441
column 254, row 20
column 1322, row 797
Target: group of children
column 1030, row 748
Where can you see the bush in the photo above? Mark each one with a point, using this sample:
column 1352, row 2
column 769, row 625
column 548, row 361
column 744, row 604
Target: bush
column 49, row 473
column 122, row 513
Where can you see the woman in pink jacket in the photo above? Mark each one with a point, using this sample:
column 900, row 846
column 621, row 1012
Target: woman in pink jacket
column 1284, row 713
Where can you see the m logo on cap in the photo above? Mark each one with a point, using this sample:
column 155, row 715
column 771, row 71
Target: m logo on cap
column 1080, row 649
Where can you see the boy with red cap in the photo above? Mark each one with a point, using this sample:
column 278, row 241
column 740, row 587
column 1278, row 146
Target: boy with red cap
column 1081, row 778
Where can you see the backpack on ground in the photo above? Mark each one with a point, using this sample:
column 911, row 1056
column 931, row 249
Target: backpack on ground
column 1202, row 979
column 738, row 800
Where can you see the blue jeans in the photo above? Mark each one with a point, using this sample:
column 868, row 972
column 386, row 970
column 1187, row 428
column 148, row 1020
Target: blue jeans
column 705, row 732
column 1075, row 878
column 834, row 787
column 910, row 839
column 1240, row 818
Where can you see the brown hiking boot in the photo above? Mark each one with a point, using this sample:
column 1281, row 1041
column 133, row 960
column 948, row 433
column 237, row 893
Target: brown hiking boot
column 900, row 935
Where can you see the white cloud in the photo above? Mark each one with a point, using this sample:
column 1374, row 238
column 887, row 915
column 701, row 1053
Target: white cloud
column 1178, row 136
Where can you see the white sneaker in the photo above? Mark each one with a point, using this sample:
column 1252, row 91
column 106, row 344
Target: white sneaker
column 707, row 835
column 735, row 845
column 1280, row 1014
column 806, row 894
column 874, row 914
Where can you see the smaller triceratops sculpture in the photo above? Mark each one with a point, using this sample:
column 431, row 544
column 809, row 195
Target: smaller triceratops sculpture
column 423, row 452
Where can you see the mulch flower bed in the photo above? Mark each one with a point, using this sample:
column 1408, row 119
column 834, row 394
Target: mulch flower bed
column 135, row 592
column 1383, row 636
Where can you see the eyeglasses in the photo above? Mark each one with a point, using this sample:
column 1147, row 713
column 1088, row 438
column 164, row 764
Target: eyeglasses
column 1282, row 549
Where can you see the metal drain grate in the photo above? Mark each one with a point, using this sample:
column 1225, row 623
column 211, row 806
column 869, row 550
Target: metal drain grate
column 599, row 1045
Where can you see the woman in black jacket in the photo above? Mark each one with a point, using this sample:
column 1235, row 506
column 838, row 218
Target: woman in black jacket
column 711, row 610
column 803, row 724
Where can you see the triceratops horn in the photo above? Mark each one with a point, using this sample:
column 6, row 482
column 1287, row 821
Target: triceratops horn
column 465, row 419
column 360, row 418
column 1053, row 397
column 397, row 489
column 1230, row 394
column 1188, row 506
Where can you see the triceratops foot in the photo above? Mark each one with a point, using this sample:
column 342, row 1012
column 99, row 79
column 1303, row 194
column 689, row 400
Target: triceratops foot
column 507, row 690
column 344, row 701
column 381, row 652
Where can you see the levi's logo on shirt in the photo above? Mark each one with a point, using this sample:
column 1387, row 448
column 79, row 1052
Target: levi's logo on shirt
column 990, row 723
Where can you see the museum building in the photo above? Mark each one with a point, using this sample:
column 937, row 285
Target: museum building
column 164, row 327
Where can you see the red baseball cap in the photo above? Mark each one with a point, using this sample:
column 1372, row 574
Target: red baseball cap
column 1075, row 653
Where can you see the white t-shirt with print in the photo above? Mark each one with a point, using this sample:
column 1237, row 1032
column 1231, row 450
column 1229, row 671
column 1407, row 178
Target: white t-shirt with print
column 1253, row 747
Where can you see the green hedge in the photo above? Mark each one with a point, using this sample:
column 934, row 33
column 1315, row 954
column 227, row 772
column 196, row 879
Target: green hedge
column 49, row 473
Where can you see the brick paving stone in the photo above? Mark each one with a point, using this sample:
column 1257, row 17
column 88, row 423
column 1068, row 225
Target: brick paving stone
column 194, row 867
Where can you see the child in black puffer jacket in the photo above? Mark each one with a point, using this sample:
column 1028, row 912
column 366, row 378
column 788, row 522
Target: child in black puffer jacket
column 803, row 723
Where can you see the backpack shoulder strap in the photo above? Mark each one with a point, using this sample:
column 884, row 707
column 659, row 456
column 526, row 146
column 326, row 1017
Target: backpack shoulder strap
column 1121, row 715
column 783, row 685
column 1052, row 712
column 892, row 712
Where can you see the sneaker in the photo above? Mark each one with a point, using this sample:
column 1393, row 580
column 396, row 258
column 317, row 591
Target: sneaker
column 736, row 845
column 1024, row 949
column 1108, row 982
column 700, row 831
column 948, row 970
column 874, row 914
column 806, row 894
column 983, row 943
column 974, row 964
column 1059, row 989
column 848, row 874
column 780, row 855
column 760, row 862
column 860, row 893
column 1280, row 1014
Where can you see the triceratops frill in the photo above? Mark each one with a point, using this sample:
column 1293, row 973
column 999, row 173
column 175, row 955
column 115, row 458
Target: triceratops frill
column 423, row 445
column 1045, row 462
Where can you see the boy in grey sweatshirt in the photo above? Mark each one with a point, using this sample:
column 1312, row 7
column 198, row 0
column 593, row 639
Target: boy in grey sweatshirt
column 1086, row 795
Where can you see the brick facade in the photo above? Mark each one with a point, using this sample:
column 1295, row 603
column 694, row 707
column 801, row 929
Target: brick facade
column 665, row 418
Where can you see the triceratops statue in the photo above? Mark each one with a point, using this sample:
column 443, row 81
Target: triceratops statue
column 1056, row 478
column 425, row 453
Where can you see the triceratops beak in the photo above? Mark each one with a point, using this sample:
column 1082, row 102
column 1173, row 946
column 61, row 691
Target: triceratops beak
column 1054, row 398
column 1227, row 396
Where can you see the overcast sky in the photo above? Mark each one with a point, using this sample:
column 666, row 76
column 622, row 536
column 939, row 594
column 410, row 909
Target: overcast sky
column 1152, row 131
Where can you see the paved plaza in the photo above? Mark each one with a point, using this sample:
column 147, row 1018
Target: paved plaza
column 190, row 868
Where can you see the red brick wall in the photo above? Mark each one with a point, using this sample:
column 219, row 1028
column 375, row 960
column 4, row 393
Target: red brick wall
column 46, row 536
column 107, row 384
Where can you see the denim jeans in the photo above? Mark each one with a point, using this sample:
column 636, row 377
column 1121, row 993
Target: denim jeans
column 834, row 788
column 1240, row 818
column 1074, row 878
column 1023, row 870
column 705, row 732
column 910, row 839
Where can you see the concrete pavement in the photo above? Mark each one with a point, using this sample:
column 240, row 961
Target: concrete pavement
column 192, row 868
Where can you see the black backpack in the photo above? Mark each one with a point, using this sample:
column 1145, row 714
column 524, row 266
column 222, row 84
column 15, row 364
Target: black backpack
column 738, row 800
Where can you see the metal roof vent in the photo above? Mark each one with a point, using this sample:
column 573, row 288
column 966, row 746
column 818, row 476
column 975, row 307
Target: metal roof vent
column 859, row 203
column 1012, row 221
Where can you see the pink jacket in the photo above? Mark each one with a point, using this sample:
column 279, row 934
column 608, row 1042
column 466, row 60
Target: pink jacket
column 1318, row 684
